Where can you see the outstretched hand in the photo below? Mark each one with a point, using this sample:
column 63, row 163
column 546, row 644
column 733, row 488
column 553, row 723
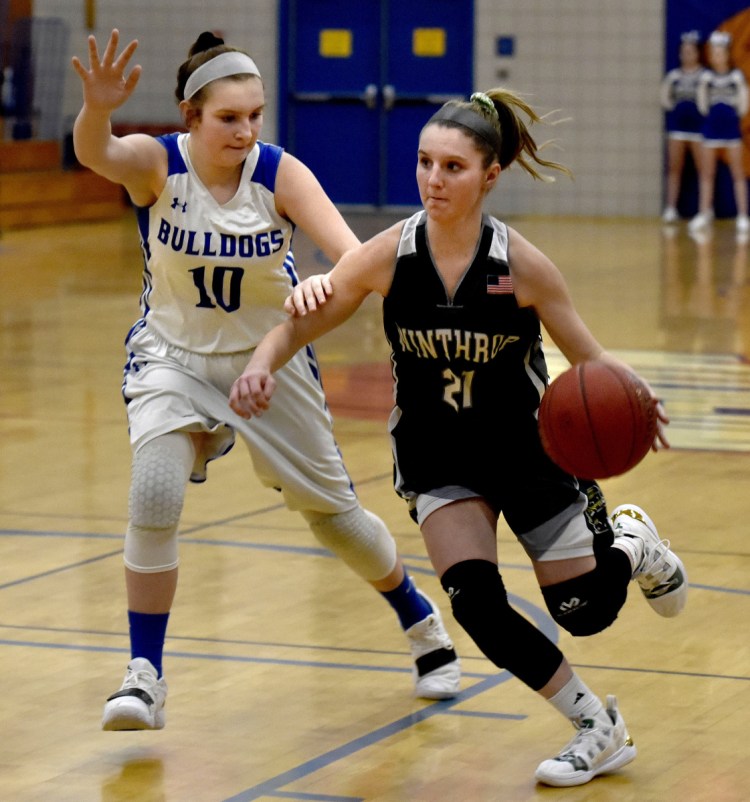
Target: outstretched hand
column 251, row 392
column 306, row 296
column 105, row 86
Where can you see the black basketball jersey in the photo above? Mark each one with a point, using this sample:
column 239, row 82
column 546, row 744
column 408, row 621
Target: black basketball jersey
column 469, row 370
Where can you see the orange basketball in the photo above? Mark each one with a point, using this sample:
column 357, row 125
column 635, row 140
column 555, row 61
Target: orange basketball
column 597, row 420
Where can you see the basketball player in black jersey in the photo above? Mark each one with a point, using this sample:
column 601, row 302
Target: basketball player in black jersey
column 465, row 297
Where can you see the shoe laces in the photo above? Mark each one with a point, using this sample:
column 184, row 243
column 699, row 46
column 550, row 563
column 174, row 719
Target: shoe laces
column 590, row 741
column 427, row 632
column 655, row 567
column 136, row 679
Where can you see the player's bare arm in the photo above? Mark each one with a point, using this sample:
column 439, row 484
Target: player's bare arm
column 301, row 199
column 136, row 161
column 366, row 269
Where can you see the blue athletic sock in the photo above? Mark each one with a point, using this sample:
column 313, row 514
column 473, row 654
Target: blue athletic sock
column 147, row 634
column 409, row 605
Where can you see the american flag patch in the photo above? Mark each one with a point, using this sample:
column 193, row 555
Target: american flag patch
column 499, row 285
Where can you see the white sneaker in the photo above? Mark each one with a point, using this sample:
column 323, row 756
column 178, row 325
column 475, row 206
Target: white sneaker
column 139, row 704
column 658, row 570
column 670, row 215
column 742, row 224
column 701, row 220
column 437, row 669
column 600, row 746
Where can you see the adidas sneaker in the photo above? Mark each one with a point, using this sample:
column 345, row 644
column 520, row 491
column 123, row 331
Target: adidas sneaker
column 658, row 571
column 601, row 745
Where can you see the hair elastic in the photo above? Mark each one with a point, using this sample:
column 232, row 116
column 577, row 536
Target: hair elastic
column 485, row 101
column 467, row 118
column 221, row 66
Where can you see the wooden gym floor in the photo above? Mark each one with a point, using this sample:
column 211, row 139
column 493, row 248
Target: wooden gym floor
column 289, row 677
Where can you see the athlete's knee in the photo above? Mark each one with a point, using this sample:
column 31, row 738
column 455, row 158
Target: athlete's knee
column 359, row 538
column 586, row 604
column 474, row 588
column 480, row 605
column 159, row 474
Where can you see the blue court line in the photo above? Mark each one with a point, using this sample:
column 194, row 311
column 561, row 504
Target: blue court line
column 536, row 614
column 304, row 550
column 271, row 786
column 483, row 677
column 312, row 647
column 663, row 672
column 59, row 570
column 310, row 551
column 480, row 714
column 714, row 388
column 227, row 658
column 717, row 589
column 315, row 797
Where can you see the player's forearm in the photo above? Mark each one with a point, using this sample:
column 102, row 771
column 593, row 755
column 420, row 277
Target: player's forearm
column 277, row 347
column 92, row 139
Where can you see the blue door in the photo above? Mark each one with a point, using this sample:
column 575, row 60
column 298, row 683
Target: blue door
column 358, row 82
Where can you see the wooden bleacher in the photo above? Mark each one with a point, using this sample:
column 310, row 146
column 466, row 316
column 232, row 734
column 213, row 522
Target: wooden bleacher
column 35, row 190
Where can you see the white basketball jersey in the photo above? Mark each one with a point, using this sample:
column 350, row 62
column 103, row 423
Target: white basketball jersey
column 215, row 275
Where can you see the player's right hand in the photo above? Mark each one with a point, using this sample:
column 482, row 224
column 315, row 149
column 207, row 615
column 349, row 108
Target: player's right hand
column 105, row 86
column 306, row 296
column 251, row 392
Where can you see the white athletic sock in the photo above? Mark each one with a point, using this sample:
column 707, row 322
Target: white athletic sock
column 577, row 702
column 632, row 546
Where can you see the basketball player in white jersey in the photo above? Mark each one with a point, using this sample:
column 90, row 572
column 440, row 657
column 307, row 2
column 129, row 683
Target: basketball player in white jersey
column 216, row 209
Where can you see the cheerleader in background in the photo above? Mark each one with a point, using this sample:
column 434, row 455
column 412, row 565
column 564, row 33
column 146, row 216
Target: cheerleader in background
column 723, row 101
column 683, row 119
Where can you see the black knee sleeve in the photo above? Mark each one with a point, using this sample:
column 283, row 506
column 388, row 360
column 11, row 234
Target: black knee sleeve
column 589, row 603
column 480, row 605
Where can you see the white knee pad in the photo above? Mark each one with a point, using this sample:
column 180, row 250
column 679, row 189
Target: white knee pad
column 360, row 538
column 150, row 551
column 160, row 471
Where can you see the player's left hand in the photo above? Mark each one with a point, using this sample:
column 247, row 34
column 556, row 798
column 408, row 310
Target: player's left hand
column 662, row 420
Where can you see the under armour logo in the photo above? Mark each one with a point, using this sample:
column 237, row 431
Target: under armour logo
column 176, row 203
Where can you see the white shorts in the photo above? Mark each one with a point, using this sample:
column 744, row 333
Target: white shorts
column 292, row 446
column 564, row 537
column 684, row 136
column 721, row 143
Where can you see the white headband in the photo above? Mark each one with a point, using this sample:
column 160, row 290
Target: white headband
column 720, row 38
column 221, row 66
